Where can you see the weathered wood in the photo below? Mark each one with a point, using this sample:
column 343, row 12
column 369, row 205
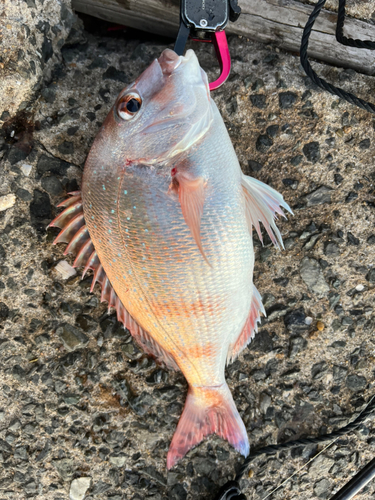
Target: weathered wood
column 279, row 22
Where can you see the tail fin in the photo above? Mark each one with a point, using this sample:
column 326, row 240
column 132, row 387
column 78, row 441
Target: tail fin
column 208, row 410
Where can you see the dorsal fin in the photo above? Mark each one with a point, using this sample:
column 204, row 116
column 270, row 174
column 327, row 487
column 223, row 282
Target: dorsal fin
column 191, row 196
column 75, row 233
column 262, row 204
column 250, row 327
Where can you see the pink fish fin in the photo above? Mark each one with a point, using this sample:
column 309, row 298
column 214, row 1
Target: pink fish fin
column 263, row 204
column 250, row 328
column 208, row 410
column 191, row 196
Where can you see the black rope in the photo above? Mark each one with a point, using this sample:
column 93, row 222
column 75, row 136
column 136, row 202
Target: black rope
column 347, row 96
column 359, row 44
column 232, row 491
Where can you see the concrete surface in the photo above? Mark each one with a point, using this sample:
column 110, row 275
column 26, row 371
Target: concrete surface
column 83, row 413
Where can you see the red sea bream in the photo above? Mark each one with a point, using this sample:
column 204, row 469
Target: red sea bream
column 165, row 219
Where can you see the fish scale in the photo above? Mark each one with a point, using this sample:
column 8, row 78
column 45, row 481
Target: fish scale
column 168, row 217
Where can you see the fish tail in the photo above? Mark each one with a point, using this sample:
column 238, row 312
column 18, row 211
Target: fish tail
column 208, row 410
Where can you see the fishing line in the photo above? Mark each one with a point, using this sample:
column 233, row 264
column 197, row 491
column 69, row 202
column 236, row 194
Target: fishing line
column 233, row 486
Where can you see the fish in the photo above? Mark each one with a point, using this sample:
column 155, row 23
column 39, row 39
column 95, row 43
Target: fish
column 164, row 219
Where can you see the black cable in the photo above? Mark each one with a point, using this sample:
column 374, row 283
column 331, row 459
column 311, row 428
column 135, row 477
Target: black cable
column 347, row 96
column 231, row 490
column 359, row 44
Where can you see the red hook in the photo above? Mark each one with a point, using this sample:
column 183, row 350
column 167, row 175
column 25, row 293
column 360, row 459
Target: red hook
column 219, row 40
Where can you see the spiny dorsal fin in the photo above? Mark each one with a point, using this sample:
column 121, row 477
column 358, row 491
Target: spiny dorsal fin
column 262, row 204
column 191, row 196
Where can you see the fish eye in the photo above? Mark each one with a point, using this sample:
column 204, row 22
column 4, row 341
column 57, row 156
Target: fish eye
column 129, row 105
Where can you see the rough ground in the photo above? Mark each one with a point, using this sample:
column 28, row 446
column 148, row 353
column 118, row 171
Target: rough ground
column 81, row 408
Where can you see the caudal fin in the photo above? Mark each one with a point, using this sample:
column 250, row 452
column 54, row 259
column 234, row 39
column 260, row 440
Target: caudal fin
column 208, row 410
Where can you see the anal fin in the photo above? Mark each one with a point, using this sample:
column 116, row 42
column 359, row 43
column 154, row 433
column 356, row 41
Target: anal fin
column 250, row 327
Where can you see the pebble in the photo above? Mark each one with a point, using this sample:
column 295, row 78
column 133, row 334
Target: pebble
column 71, row 336
column 312, row 275
column 79, row 487
column 26, row 169
column 312, row 151
column 263, row 143
column 360, row 288
column 320, row 326
column 356, row 382
column 308, row 320
column 255, row 166
column 65, row 269
column 52, row 185
column 318, row 197
column 287, row 99
column 7, row 201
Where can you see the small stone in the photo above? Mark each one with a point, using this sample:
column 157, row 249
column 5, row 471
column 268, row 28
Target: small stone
column 23, row 194
column 26, row 169
column 308, row 320
column 66, row 148
column 322, row 488
column 65, row 270
column 79, row 487
column 320, row 326
column 49, row 94
column 7, row 201
column 292, row 183
column 259, row 101
column 40, row 207
column 319, row 369
column 114, row 74
column 4, row 311
column 118, row 460
column 272, row 130
column 332, row 249
column 16, row 154
column 287, row 99
column 71, row 336
column 51, row 164
column 365, row 144
column 296, row 160
column 296, row 345
column 52, row 185
column 255, row 166
column 352, row 240
column 312, row 275
column 318, row 197
column 351, row 196
column 356, row 382
column 263, row 143
column 360, row 288
column 370, row 276
column 312, row 151
column 338, row 178
column 72, row 130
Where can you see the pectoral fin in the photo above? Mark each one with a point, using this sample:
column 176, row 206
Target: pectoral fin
column 262, row 204
column 191, row 196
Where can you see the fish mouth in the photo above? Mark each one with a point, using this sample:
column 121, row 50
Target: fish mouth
column 169, row 61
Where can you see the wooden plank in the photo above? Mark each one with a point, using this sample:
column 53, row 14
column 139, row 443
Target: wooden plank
column 279, row 22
